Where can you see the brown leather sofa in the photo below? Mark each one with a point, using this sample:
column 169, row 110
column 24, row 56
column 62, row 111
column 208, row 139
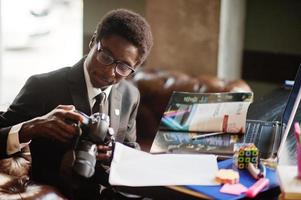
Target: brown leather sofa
column 15, row 183
column 155, row 87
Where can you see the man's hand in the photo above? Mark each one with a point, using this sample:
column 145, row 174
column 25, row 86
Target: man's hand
column 53, row 125
column 104, row 154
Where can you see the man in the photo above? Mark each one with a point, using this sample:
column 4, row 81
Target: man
column 40, row 113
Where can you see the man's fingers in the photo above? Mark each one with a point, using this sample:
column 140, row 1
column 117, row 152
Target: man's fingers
column 69, row 115
column 53, row 134
column 68, row 130
column 58, row 130
column 103, row 148
column 54, row 125
column 66, row 107
column 74, row 116
column 103, row 157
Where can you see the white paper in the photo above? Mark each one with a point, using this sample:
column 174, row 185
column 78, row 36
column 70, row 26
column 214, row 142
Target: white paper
column 131, row 167
column 229, row 117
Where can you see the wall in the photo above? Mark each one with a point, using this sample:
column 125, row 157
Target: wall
column 185, row 35
column 95, row 9
column 272, row 50
column 274, row 26
column 185, row 31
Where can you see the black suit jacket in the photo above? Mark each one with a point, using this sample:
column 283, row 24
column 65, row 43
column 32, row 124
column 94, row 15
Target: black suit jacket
column 66, row 86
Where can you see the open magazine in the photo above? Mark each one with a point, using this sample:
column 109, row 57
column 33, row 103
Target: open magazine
column 207, row 112
column 203, row 123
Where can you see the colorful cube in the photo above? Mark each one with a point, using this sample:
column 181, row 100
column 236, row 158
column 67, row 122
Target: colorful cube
column 244, row 154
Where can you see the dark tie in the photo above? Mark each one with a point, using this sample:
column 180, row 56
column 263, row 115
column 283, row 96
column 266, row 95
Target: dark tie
column 99, row 103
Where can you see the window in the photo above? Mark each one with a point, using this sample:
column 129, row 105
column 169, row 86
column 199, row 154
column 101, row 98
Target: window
column 37, row 37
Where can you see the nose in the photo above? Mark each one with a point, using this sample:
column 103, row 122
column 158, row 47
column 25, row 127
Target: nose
column 111, row 70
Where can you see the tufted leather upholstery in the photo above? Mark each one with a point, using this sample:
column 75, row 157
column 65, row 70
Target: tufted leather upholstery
column 15, row 183
column 18, row 165
column 155, row 86
column 15, row 188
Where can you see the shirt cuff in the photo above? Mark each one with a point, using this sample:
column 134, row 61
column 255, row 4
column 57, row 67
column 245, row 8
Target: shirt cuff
column 13, row 144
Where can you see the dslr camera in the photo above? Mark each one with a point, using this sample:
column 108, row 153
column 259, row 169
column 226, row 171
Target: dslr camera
column 93, row 131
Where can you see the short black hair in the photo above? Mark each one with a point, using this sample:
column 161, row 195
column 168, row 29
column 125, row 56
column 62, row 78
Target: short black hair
column 130, row 26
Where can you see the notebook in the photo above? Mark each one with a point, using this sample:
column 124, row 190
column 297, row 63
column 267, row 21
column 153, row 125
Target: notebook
column 268, row 136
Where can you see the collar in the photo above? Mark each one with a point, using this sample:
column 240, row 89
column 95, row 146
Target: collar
column 92, row 91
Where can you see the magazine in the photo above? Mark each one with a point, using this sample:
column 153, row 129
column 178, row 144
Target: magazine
column 207, row 112
column 203, row 123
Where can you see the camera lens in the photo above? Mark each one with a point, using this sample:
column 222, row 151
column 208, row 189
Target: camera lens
column 93, row 133
column 84, row 163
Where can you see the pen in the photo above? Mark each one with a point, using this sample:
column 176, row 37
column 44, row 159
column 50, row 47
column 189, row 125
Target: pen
column 263, row 170
column 206, row 135
column 257, row 187
column 173, row 113
column 297, row 132
column 171, row 123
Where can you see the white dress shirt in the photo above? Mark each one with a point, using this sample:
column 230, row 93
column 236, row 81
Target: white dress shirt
column 92, row 91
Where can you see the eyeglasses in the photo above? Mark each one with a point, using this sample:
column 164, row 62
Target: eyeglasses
column 120, row 68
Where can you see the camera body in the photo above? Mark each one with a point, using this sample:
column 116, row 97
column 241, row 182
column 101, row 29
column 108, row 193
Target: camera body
column 93, row 131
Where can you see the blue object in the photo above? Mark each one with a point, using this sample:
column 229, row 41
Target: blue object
column 289, row 83
column 244, row 178
column 171, row 123
column 263, row 169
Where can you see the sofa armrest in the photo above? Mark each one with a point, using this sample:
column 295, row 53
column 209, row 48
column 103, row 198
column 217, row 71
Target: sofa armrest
column 18, row 165
column 215, row 84
column 15, row 182
column 22, row 188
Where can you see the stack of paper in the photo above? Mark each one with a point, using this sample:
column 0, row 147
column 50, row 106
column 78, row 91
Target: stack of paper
column 131, row 167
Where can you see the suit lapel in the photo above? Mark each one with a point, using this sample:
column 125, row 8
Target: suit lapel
column 115, row 106
column 78, row 88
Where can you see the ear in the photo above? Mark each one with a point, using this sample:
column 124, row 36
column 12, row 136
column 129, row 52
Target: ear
column 91, row 43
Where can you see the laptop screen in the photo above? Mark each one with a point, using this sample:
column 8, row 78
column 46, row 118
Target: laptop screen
column 292, row 98
column 290, row 109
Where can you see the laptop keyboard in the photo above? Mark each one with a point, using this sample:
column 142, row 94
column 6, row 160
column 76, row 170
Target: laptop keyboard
column 263, row 135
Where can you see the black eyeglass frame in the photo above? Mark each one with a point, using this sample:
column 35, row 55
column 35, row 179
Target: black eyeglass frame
column 114, row 61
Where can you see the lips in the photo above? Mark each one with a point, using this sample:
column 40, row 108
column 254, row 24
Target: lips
column 101, row 81
column 109, row 82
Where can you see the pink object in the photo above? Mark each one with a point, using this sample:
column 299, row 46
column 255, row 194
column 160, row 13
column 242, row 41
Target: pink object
column 297, row 132
column 175, row 113
column 235, row 189
column 257, row 187
column 299, row 160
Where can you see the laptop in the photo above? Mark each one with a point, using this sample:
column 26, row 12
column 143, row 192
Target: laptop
column 268, row 136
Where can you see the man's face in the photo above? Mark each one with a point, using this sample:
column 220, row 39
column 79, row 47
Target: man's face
column 117, row 49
